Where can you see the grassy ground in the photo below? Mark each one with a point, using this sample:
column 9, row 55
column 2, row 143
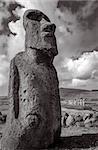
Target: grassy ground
column 77, row 139
column 72, row 138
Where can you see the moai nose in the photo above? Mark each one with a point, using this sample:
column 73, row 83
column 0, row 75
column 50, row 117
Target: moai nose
column 49, row 27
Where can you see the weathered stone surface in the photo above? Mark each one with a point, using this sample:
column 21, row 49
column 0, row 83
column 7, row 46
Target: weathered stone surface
column 79, row 124
column 90, row 122
column 2, row 118
column 78, row 118
column 64, row 119
column 95, row 116
column 34, row 119
column 88, row 115
column 70, row 121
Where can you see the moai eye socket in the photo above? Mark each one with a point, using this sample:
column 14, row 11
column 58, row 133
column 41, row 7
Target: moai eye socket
column 34, row 16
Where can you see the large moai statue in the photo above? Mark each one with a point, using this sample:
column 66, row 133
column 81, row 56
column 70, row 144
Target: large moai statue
column 34, row 119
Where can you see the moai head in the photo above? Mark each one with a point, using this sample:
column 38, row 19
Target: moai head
column 40, row 33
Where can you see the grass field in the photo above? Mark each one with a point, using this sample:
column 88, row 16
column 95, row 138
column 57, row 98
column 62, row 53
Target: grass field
column 90, row 96
column 72, row 138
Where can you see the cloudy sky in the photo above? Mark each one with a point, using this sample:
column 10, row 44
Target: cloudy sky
column 77, row 39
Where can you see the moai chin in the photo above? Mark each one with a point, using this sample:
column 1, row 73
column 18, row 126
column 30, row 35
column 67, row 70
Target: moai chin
column 34, row 119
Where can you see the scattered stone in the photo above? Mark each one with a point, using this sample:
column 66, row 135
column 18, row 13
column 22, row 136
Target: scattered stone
column 34, row 119
column 70, row 121
column 93, row 120
column 88, row 115
column 78, row 118
column 95, row 116
column 96, row 123
column 2, row 118
column 87, row 121
column 89, row 124
column 64, row 119
column 79, row 124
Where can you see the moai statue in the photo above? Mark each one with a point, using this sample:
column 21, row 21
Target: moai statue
column 34, row 119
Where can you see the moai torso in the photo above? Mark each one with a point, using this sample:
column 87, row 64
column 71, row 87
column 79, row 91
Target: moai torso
column 34, row 114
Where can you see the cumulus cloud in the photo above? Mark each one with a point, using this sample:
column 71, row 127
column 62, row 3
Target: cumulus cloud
column 4, row 66
column 84, row 84
column 86, row 12
column 78, row 83
column 82, row 70
column 16, row 43
column 84, row 66
column 4, row 71
column 7, row 8
column 3, row 14
column 77, row 26
column 94, row 74
column 3, row 44
column 7, row 15
column 76, row 32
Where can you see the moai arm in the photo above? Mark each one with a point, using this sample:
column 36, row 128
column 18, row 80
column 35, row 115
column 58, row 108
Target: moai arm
column 14, row 88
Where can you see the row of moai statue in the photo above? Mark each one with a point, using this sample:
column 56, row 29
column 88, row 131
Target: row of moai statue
column 34, row 118
column 77, row 102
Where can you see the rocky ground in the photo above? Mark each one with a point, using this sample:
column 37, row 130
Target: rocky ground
column 88, row 140
column 80, row 132
column 76, row 136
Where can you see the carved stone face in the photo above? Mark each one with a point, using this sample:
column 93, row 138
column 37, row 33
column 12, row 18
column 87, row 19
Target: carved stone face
column 40, row 32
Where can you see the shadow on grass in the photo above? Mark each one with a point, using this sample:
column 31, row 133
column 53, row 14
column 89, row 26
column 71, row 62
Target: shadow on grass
column 83, row 141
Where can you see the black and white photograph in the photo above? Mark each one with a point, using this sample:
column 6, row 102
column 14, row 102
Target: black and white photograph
column 48, row 74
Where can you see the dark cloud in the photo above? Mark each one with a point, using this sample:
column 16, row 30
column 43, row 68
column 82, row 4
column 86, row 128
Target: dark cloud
column 89, row 21
column 86, row 12
column 95, row 49
column 8, row 18
column 73, row 6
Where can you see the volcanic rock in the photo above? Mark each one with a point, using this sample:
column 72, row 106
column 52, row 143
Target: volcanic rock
column 34, row 119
